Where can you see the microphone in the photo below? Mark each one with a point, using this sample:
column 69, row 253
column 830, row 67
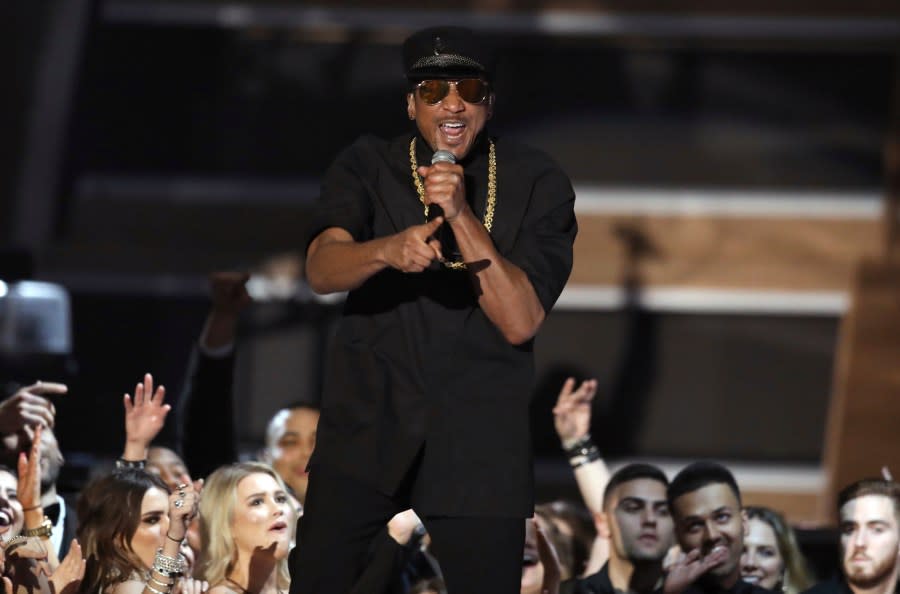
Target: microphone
column 443, row 157
column 444, row 234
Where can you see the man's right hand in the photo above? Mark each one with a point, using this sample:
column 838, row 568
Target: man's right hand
column 414, row 249
column 29, row 407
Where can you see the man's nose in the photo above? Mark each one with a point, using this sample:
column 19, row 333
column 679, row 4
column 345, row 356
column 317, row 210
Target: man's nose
column 453, row 102
column 648, row 517
column 712, row 532
column 860, row 539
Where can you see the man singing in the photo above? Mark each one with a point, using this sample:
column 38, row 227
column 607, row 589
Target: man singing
column 451, row 264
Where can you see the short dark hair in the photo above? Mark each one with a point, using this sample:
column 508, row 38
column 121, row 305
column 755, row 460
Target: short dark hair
column 698, row 475
column 870, row 486
column 633, row 472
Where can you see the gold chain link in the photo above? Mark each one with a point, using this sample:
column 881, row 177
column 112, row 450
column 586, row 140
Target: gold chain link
column 491, row 193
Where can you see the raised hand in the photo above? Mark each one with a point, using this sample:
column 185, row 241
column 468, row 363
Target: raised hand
column 572, row 413
column 183, row 505
column 28, row 406
column 67, row 577
column 414, row 249
column 144, row 417
column 228, row 292
column 29, row 471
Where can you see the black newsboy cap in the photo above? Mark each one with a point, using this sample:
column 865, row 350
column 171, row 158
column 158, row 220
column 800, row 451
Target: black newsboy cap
column 447, row 52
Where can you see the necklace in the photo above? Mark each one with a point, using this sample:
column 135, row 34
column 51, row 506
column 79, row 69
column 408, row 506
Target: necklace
column 488, row 221
column 242, row 589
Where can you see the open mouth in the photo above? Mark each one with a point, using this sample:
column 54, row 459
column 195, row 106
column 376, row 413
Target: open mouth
column 453, row 129
column 279, row 526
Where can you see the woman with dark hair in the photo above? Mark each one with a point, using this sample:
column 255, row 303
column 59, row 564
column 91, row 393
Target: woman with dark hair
column 132, row 530
column 772, row 558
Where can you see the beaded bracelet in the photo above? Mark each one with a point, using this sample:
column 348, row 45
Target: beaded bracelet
column 122, row 463
column 169, row 566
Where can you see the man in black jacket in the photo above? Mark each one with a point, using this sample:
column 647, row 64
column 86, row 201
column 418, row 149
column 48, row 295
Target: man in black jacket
column 452, row 260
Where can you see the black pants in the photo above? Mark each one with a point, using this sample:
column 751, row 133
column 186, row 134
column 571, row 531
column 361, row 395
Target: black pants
column 342, row 516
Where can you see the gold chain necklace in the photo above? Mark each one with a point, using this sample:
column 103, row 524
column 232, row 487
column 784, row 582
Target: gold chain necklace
column 488, row 221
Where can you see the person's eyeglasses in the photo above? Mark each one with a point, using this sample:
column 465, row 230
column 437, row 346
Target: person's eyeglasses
column 470, row 90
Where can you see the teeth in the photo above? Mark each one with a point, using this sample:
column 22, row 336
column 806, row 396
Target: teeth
column 453, row 124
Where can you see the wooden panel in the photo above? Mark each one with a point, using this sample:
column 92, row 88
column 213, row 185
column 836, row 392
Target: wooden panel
column 798, row 508
column 725, row 252
column 862, row 433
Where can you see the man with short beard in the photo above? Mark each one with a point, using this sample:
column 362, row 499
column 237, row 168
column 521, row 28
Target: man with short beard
column 869, row 513
column 637, row 523
column 706, row 505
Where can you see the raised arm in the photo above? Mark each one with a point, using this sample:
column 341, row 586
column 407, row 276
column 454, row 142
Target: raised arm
column 145, row 415
column 572, row 419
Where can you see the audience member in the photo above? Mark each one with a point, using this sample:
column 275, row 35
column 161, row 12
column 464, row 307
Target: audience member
column 132, row 532
column 290, row 440
column 705, row 503
column 11, row 515
column 772, row 558
column 30, row 407
column 869, row 521
column 637, row 523
column 247, row 525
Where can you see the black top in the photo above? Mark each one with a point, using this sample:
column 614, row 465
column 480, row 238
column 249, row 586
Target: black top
column 414, row 360
column 836, row 585
column 597, row 583
column 740, row 587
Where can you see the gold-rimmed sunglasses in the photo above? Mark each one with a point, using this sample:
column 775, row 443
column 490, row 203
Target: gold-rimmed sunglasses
column 470, row 90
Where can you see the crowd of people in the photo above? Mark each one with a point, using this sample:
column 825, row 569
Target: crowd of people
column 415, row 475
column 146, row 526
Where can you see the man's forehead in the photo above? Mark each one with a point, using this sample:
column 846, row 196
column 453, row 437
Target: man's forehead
column 645, row 489
column 301, row 418
column 705, row 501
column 869, row 508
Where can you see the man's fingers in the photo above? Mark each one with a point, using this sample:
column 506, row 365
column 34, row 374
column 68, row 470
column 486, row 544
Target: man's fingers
column 432, row 225
column 40, row 387
column 435, row 245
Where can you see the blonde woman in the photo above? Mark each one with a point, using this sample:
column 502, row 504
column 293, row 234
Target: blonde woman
column 246, row 527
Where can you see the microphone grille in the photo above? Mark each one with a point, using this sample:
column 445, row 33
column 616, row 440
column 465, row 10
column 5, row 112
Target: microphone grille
column 443, row 157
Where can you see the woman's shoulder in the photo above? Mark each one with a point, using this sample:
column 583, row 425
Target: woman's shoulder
column 133, row 585
column 223, row 588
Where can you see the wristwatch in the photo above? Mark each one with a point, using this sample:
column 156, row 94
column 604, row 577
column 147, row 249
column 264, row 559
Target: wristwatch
column 45, row 529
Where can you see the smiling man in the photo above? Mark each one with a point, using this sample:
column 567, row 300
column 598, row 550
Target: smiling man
column 452, row 260
column 706, row 506
column 869, row 513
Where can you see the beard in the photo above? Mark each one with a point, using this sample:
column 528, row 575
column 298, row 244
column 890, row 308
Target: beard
column 869, row 577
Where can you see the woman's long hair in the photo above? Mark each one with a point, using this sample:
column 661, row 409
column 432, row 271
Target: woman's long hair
column 220, row 553
column 109, row 512
column 797, row 576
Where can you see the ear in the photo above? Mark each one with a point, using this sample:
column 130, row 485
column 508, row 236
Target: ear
column 411, row 106
column 745, row 522
column 601, row 522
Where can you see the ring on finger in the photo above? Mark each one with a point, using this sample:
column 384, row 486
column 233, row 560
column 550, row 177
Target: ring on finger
column 179, row 503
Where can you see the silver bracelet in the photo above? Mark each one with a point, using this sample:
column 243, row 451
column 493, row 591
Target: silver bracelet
column 154, row 590
column 169, row 566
